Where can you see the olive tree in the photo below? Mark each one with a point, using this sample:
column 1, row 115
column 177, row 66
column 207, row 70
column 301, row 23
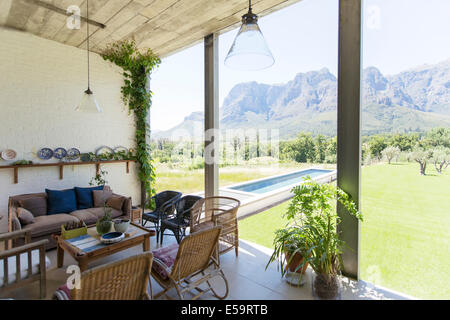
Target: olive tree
column 421, row 156
column 440, row 158
column 390, row 153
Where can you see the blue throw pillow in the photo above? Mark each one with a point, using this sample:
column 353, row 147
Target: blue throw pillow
column 61, row 201
column 84, row 197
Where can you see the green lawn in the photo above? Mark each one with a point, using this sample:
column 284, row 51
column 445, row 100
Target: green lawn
column 405, row 236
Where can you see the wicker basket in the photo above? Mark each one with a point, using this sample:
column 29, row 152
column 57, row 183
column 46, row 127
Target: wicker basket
column 69, row 234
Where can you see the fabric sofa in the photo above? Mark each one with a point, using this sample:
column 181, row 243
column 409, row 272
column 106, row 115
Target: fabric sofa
column 46, row 224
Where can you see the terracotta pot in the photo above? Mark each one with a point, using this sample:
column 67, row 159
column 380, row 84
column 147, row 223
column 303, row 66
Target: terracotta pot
column 296, row 261
column 326, row 286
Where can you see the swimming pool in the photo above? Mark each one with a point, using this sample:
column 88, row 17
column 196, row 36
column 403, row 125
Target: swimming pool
column 274, row 183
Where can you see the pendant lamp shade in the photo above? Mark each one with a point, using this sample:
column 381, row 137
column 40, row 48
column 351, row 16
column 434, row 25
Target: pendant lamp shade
column 249, row 50
column 88, row 102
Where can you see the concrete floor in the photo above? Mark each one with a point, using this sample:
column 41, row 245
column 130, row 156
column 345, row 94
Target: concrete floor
column 246, row 275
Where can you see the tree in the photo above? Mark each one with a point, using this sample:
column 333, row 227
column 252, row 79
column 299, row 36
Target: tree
column 440, row 158
column 246, row 149
column 421, row 156
column 304, row 148
column 408, row 156
column 258, row 153
column 236, row 147
column 390, row 153
column 438, row 137
column 320, row 148
column 377, row 144
column 405, row 142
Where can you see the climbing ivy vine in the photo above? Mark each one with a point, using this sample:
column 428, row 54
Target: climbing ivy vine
column 137, row 66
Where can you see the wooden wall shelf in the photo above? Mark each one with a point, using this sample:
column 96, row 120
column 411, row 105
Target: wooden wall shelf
column 61, row 166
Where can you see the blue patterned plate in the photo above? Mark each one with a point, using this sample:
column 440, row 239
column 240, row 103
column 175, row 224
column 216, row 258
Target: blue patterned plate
column 59, row 153
column 73, row 153
column 45, row 153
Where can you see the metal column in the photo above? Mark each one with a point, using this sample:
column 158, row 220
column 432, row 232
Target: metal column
column 349, row 126
column 211, row 115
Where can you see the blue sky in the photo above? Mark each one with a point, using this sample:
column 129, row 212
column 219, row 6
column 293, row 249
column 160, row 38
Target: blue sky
column 397, row 35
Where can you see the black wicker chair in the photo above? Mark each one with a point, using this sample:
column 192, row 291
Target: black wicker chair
column 179, row 221
column 165, row 205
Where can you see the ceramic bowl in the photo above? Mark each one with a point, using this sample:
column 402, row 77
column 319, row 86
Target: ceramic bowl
column 121, row 225
column 112, row 237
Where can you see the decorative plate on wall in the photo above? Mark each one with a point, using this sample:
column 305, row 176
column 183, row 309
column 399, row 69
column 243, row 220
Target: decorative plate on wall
column 45, row 153
column 73, row 154
column 9, row 154
column 104, row 149
column 59, row 153
column 104, row 152
column 121, row 148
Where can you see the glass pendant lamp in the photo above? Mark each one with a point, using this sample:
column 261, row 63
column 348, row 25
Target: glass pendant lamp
column 88, row 102
column 249, row 50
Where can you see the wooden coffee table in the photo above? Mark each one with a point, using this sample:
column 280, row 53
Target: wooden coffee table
column 138, row 236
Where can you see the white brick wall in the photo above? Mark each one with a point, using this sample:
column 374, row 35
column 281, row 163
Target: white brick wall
column 41, row 82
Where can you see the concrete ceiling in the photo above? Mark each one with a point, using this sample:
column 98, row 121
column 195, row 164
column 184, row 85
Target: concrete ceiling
column 165, row 26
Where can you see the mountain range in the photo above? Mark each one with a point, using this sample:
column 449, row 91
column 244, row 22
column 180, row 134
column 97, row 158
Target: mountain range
column 414, row 100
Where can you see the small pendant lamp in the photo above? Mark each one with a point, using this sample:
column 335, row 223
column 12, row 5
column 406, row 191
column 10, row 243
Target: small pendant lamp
column 249, row 50
column 88, row 102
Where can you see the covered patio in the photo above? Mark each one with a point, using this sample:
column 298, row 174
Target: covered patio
column 44, row 76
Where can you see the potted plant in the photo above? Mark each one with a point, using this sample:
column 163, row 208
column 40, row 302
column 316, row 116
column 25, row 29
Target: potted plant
column 290, row 248
column 105, row 223
column 313, row 211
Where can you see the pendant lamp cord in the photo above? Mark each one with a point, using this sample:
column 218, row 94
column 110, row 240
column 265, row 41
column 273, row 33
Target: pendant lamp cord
column 87, row 32
column 250, row 5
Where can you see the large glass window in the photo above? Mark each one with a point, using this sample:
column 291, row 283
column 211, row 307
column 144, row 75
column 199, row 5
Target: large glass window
column 405, row 239
column 177, row 121
column 280, row 120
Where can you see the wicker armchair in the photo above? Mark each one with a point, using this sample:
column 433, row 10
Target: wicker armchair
column 164, row 206
column 125, row 279
column 22, row 264
column 189, row 265
column 218, row 211
column 178, row 222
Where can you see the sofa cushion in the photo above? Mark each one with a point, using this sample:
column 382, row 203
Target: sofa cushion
column 100, row 212
column 86, row 216
column 100, row 197
column 61, row 201
column 115, row 202
column 12, row 269
column 84, row 197
column 62, row 293
column 25, row 216
column 44, row 225
column 36, row 205
column 166, row 255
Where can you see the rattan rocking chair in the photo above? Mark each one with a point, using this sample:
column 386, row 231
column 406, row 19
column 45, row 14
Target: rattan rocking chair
column 194, row 265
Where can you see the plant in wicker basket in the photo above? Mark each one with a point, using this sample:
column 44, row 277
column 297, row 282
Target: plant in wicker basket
column 105, row 223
